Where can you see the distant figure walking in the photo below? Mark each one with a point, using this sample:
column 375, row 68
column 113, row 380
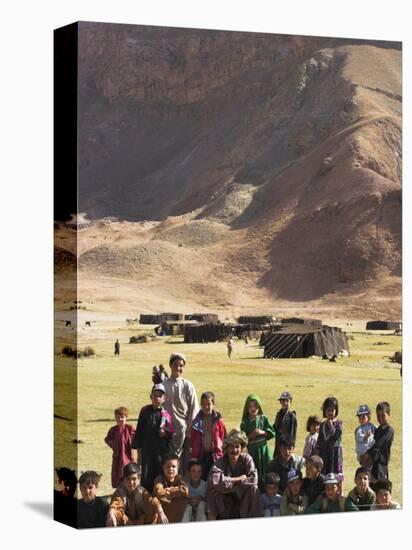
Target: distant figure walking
column 229, row 346
column 117, row 348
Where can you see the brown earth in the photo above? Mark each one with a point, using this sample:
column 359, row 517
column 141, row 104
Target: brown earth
column 241, row 173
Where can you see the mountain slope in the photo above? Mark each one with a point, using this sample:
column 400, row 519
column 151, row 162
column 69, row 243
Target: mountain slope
column 266, row 167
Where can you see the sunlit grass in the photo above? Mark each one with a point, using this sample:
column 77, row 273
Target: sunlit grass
column 367, row 376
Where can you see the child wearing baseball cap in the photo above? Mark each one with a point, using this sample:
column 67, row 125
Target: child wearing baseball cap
column 153, row 434
column 294, row 501
column 286, row 422
column 364, row 433
column 333, row 501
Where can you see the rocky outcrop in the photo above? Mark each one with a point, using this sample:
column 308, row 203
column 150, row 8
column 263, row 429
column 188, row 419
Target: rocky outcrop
column 287, row 146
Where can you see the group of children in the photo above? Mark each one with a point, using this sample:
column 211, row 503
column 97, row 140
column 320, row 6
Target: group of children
column 150, row 488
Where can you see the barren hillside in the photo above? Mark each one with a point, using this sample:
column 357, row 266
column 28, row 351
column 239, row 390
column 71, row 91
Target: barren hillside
column 240, row 171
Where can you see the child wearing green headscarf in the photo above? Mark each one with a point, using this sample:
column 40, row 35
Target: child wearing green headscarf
column 258, row 429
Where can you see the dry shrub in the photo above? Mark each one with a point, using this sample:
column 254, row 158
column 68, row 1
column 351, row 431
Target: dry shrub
column 69, row 351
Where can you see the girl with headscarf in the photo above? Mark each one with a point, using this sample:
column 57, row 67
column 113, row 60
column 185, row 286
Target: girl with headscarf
column 258, row 430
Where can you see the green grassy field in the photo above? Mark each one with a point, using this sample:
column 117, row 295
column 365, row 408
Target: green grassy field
column 103, row 382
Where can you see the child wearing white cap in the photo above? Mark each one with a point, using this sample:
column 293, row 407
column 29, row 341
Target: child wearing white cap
column 333, row 501
column 364, row 433
column 182, row 404
column 294, row 501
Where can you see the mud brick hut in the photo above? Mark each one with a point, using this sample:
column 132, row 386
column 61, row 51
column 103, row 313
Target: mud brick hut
column 298, row 340
column 207, row 318
column 384, row 325
column 158, row 318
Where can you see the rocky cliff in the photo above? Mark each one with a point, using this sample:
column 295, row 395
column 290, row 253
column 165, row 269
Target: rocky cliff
column 292, row 144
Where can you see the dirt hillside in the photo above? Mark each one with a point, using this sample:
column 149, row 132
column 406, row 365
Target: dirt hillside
column 238, row 171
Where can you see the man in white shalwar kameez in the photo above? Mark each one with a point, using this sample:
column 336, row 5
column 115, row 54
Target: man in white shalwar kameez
column 182, row 405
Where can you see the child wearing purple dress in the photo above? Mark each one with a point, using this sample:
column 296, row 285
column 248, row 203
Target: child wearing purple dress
column 312, row 427
column 329, row 444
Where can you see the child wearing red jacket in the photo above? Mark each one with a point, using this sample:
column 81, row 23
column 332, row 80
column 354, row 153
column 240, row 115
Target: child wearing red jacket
column 207, row 433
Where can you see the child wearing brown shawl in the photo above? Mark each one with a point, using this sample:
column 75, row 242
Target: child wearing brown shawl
column 131, row 504
column 171, row 490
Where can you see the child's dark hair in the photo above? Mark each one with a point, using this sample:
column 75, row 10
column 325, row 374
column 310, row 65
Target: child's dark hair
column 383, row 406
column 362, row 470
column 131, row 469
column 121, row 411
column 69, row 476
column 314, row 419
column 90, row 477
column 193, row 462
column 170, row 456
column 271, row 479
column 316, row 461
column 208, row 395
column 383, row 485
column 330, row 403
column 285, row 440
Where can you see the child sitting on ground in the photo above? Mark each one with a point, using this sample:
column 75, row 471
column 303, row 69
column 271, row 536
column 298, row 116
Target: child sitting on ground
column 270, row 499
column 312, row 426
column 152, row 437
column 119, row 438
column 196, row 507
column 333, row 501
column 207, row 433
column 380, row 452
column 384, row 501
column 64, row 505
column 294, row 501
column 91, row 509
column 285, row 461
column 362, row 495
column 131, row 504
column 171, row 490
column 314, row 482
column 364, row 433
column 258, row 430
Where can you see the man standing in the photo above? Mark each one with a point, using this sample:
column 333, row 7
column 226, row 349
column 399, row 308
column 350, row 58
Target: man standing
column 117, row 348
column 182, row 405
column 229, row 346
